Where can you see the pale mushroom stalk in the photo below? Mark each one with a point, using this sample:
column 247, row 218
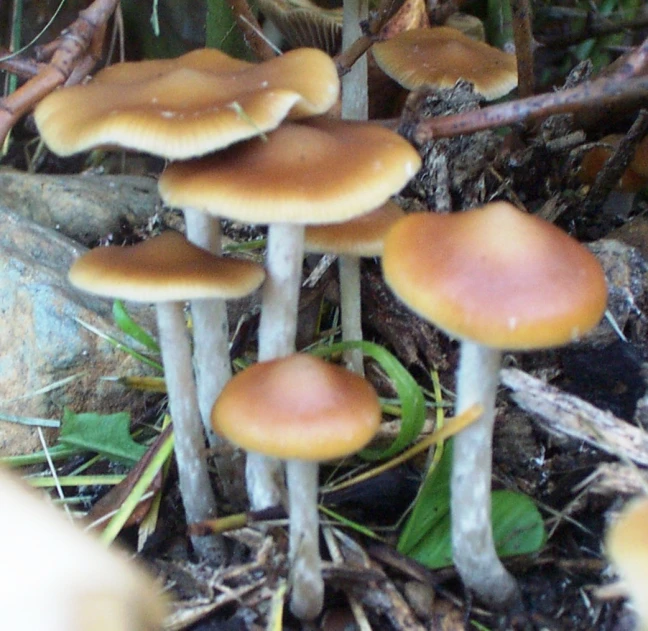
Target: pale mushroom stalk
column 195, row 486
column 277, row 332
column 473, row 548
column 210, row 326
column 307, row 597
column 351, row 307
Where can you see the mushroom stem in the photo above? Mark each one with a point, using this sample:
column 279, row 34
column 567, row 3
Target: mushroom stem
column 350, row 305
column 195, row 486
column 355, row 101
column 210, row 330
column 305, row 562
column 473, row 548
column 277, row 332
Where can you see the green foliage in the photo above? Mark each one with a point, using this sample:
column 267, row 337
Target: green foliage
column 105, row 434
column 409, row 393
column 126, row 324
column 517, row 524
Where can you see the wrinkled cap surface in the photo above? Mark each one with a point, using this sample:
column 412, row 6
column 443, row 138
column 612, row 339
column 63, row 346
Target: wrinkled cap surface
column 189, row 106
column 164, row 268
column 438, row 57
column 320, row 171
column 362, row 236
column 298, row 407
column 496, row 276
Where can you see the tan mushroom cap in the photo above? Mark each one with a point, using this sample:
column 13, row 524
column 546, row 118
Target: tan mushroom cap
column 164, row 268
column 593, row 161
column 298, row 408
column 438, row 57
column 496, row 276
column 626, row 545
column 322, row 171
column 362, row 236
column 189, row 106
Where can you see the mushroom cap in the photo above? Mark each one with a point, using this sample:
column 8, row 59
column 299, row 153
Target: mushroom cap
column 320, row 171
column 298, row 407
column 361, row 236
column 632, row 181
column 639, row 163
column 496, row 276
column 626, row 545
column 189, row 106
column 164, row 268
column 438, row 57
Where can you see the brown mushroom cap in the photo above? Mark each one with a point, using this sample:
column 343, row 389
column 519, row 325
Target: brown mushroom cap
column 362, row 236
column 639, row 162
column 298, row 408
column 632, row 181
column 626, row 544
column 322, row 171
column 438, row 57
column 496, row 276
column 164, row 268
column 189, row 106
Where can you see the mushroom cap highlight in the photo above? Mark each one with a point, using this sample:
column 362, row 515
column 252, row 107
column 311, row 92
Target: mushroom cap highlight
column 438, row 57
column 495, row 276
column 189, row 106
column 626, row 545
column 361, row 236
column 163, row 268
column 298, row 407
column 320, row 171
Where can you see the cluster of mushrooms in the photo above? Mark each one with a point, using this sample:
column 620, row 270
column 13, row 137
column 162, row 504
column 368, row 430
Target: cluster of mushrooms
column 250, row 142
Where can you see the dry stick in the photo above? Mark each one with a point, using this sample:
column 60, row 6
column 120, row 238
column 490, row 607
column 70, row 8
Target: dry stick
column 523, row 36
column 18, row 65
column 252, row 32
column 72, row 49
column 616, row 164
column 591, row 31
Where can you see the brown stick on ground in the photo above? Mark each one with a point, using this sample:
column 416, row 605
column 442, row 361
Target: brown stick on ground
column 523, row 37
column 251, row 30
column 72, row 51
column 623, row 84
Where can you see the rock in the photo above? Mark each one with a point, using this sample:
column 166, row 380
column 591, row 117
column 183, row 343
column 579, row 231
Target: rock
column 83, row 207
column 41, row 341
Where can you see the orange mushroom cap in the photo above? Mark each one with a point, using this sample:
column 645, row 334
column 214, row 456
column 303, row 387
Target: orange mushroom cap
column 438, row 57
column 298, row 407
column 496, row 276
column 189, row 106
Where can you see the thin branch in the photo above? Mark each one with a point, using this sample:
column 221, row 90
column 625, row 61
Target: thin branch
column 592, row 30
column 72, row 51
column 523, row 37
column 251, row 29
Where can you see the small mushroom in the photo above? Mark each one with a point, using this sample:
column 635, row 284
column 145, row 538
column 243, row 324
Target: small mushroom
column 438, row 57
column 350, row 240
column 626, row 545
column 304, row 410
column 168, row 270
column 495, row 278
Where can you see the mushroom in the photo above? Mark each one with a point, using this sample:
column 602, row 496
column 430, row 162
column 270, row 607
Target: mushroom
column 182, row 108
column 57, row 577
column 626, row 546
column 495, row 278
column 320, row 171
column 168, row 270
column 438, row 57
column 304, row 410
column 350, row 240
column 619, row 200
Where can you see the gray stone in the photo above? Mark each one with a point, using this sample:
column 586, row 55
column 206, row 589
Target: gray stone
column 83, row 207
column 41, row 341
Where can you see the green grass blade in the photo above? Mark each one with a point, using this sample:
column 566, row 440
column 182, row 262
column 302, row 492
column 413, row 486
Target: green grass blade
column 131, row 328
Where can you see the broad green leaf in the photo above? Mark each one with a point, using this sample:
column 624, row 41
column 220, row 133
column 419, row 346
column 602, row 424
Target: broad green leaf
column 131, row 328
column 517, row 529
column 106, row 434
column 432, row 503
column 409, row 393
